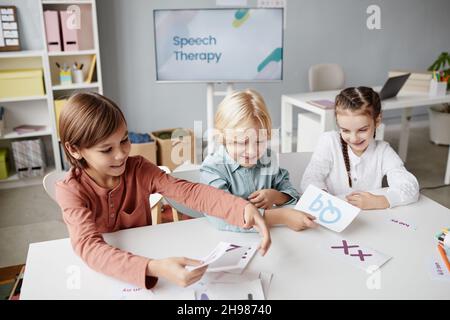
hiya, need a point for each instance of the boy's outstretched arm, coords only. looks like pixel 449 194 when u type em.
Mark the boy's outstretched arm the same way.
pixel 254 219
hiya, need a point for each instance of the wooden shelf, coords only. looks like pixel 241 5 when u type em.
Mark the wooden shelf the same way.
pixel 14 181
pixel 20 99
pixel 14 135
pixel 71 53
pixel 75 86
pixel 67 2
pixel 21 54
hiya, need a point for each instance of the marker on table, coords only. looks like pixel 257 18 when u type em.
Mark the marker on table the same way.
pixel 444 256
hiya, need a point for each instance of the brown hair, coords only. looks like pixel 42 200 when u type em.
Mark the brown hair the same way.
pixel 87 119
pixel 363 100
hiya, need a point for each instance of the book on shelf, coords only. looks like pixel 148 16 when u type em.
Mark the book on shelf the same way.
pixel 27 128
pixel 90 73
pixel 59 104
pixel 324 104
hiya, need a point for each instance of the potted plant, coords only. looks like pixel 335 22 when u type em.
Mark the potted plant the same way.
pixel 440 114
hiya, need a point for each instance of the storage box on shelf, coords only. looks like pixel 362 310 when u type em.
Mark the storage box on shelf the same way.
pixel 28 101
pixel 4 163
pixel 29 158
pixel 21 83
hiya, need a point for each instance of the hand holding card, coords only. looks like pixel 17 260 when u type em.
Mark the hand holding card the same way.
pixel 330 211
pixel 227 257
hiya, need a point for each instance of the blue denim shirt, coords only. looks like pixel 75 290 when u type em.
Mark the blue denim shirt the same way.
pixel 221 171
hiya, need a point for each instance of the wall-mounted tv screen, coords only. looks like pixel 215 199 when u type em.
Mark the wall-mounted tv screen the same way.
pixel 219 45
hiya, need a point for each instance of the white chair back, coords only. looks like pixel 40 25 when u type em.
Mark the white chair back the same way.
pixel 326 76
pixel 50 180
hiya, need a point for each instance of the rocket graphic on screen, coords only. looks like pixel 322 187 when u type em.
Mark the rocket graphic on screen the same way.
pixel 240 16
pixel 275 56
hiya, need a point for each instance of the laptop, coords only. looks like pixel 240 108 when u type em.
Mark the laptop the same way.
pixel 393 86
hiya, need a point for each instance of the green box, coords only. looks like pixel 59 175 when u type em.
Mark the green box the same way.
pixel 4 163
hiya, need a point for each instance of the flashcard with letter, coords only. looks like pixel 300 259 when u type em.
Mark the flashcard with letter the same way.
pixel 330 211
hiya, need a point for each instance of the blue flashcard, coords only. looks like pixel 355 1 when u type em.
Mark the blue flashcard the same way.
pixel 330 211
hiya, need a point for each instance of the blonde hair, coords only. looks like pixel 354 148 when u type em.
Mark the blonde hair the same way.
pixel 87 119
pixel 241 108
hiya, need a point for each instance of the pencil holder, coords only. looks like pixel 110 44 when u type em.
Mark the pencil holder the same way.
pixel 77 76
pixel 65 77
pixel 438 88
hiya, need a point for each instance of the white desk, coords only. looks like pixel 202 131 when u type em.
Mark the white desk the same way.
pixel 300 269
pixel 404 100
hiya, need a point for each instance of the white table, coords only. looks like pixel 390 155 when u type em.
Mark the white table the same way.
pixel 301 270
pixel 404 100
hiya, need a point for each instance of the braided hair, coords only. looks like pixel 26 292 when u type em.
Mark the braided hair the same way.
pixel 360 99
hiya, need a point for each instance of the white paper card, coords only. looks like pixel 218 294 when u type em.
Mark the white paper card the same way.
pixel 246 290
pixel 10 25
pixel 226 277
pixel 165 291
pixel 266 280
pixel 201 287
pixel 136 293
pixel 355 254
pixel 437 269
pixel 11 34
pixel 228 257
pixel 402 223
pixel 8 17
pixel 330 211
pixel 12 42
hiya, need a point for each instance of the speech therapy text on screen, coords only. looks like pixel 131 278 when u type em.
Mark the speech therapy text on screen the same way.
pixel 208 57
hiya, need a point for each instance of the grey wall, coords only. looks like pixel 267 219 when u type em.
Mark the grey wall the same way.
pixel 413 33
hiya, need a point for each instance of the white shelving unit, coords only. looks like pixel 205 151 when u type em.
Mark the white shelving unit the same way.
pixel 19 99
pixel 75 86
pixel 40 110
pixel 14 135
pixel 71 53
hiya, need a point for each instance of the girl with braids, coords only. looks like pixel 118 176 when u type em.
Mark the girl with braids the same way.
pixel 351 163
pixel 106 190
